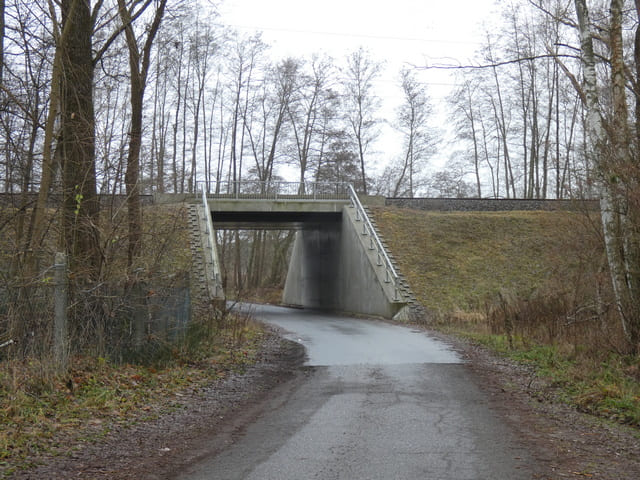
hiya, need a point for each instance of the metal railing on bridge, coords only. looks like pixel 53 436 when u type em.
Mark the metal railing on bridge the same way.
pixel 375 244
pixel 276 190
pixel 214 267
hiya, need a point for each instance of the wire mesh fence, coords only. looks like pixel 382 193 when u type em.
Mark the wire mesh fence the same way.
pixel 122 321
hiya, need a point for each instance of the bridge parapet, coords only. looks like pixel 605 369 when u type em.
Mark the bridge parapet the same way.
pixel 276 190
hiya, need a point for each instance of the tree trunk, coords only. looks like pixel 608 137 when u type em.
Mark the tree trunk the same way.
pixel 81 206
pixel 139 68
pixel 620 244
pixel 2 7
pixel 636 58
pixel 37 223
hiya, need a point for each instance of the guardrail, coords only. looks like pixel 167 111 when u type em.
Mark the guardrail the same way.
pixel 391 276
pixel 276 190
pixel 211 246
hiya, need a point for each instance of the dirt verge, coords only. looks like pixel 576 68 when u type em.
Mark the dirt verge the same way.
pixel 184 427
pixel 566 443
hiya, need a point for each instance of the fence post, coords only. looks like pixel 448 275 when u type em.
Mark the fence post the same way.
pixel 60 330
pixel 138 297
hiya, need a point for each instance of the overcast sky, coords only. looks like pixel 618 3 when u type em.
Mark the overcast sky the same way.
pixel 397 32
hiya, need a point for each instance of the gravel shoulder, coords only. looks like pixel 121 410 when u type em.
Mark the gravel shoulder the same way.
pixel 195 424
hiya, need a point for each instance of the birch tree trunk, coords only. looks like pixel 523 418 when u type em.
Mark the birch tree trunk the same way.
pixel 611 157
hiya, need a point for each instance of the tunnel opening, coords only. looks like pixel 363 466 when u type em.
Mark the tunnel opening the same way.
pixel 255 249
pixel 324 256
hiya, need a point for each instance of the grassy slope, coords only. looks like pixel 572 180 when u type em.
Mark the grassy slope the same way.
pixel 460 261
pixel 456 261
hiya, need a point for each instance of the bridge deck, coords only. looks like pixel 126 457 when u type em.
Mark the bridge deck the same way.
pixel 217 204
pixel 292 213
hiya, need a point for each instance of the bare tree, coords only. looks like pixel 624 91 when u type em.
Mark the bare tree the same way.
pixel 244 59
pixel 617 174
pixel 139 61
pixel 308 114
pixel 466 114
pixel 77 139
pixel 361 104
pixel 203 46
pixel 413 122
pixel 2 28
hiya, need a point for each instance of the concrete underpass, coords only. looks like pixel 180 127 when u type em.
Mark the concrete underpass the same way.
pixel 337 262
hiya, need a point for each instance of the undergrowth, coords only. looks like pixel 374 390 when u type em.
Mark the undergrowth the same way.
pixel 606 385
pixel 135 350
pixel 45 414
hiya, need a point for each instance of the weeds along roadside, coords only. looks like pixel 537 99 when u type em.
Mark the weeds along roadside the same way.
pixel 532 286
pixel 134 342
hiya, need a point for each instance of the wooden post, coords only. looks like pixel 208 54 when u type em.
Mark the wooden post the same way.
pixel 60 331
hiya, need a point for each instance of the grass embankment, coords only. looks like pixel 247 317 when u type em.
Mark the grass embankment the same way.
pixel 531 286
pixel 44 413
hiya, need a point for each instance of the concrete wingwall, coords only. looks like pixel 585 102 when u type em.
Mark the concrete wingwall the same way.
pixel 334 269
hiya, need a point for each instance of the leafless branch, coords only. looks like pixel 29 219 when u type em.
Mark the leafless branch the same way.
pixel 117 33
pixel 562 20
pixel 495 64
pixel 572 78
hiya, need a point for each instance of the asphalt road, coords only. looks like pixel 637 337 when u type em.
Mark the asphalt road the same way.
pixel 376 401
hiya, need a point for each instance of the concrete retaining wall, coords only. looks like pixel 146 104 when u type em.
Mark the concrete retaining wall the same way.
pixel 491 204
pixel 333 269
pixel 364 289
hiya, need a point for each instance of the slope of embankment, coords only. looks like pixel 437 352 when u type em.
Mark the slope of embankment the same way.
pixel 531 285
pixel 458 261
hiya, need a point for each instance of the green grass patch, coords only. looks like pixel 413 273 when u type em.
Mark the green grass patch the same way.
pixel 608 388
pixel 456 260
